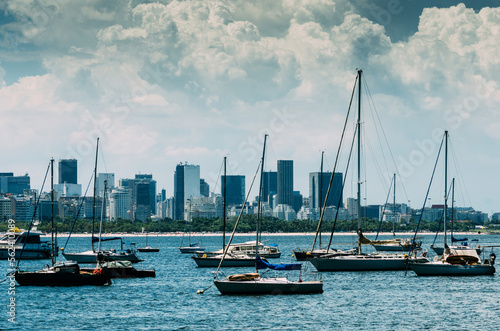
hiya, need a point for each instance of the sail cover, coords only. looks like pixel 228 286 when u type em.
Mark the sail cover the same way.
pixel 453 239
pixel 262 264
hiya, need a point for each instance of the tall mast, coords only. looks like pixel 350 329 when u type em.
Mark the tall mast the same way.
pixel 445 184
pixel 95 189
pixel 394 209
pixel 224 211
pixel 103 214
pixel 259 208
pixel 54 247
pixel 452 204
pixel 321 192
pixel 359 149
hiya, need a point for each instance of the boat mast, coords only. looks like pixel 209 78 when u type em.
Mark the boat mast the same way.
pixel 95 188
pixel 359 152
pixel 259 208
pixel 53 248
pixel 445 185
pixel 394 210
pixel 452 205
pixel 321 192
pixel 224 211
pixel 103 214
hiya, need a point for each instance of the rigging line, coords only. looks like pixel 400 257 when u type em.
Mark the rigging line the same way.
pixel 335 165
pixel 218 176
pixel 78 212
pixel 34 214
pixel 341 190
pixel 377 166
pixel 373 111
pixel 413 241
pixel 463 188
pixel 387 143
pixel 383 210
pixel 237 221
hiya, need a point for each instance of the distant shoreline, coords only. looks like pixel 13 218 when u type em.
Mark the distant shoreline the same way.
pixel 197 234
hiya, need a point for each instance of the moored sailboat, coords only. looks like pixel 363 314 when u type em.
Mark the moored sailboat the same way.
pixel 362 261
pixel 254 283
pixel 66 273
pixel 455 260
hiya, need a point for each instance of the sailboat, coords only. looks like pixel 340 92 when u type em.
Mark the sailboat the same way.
pixel 147 248
pixel 254 283
pixel 440 250
pixel 66 273
pixel 455 261
pixel 232 259
pixel 93 256
pixel 394 244
pixel 362 261
pixel 191 247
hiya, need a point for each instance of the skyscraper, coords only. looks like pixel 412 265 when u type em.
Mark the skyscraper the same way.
pixel 68 171
pixel 186 186
pixel 269 185
pixel 317 197
pixel 285 182
pixel 235 189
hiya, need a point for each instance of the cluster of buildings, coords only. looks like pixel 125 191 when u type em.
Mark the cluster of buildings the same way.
pixel 137 198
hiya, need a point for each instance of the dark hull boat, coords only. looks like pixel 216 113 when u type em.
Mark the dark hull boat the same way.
pixel 148 249
pixel 124 269
pixel 63 274
pixel 275 286
pixel 229 261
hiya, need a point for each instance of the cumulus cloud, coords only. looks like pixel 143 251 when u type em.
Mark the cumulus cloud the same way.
pixel 193 78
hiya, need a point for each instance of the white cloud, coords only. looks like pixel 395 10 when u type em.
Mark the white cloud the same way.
pixel 192 79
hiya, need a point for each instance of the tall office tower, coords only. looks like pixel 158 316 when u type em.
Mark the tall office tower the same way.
pixel 119 204
pixel 186 186
pixel 235 189
pixel 68 171
pixel 316 185
pixel 298 201
pixel 147 194
pixel 285 183
pixel 13 184
pixel 204 188
pixel 110 178
pixel 269 185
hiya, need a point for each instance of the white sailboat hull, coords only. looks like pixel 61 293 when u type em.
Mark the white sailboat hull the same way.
pixel 447 269
pixel 276 286
pixel 363 262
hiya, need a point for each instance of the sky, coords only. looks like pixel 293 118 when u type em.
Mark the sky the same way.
pixel 193 81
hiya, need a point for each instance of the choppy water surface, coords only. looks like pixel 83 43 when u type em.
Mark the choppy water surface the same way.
pixel 361 301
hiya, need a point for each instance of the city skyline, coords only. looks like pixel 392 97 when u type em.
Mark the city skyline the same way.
pixel 163 83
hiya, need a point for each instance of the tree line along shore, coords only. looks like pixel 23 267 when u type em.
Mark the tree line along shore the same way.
pixel 246 225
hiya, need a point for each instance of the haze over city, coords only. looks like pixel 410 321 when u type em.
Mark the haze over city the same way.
pixel 169 82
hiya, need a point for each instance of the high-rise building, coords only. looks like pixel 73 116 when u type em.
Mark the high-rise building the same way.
pixel 285 183
pixel 235 189
pixel 316 185
pixel 110 178
pixel 120 204
pixel 204 188
pixel 142 194
pixel 186 186
pixel 269 185
pixel 68 171
pixel 298 201
pixel 13 184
